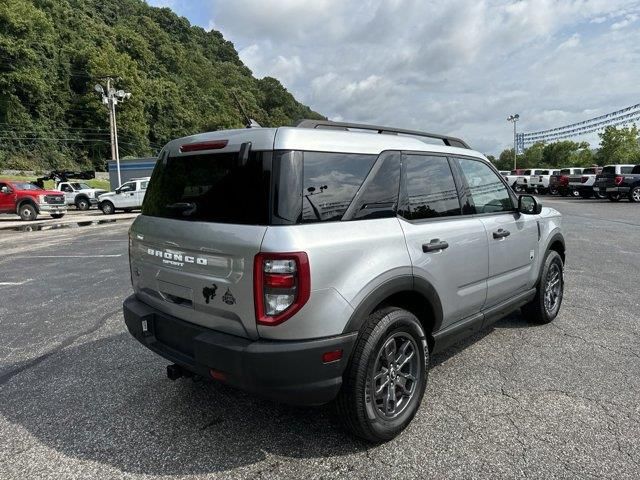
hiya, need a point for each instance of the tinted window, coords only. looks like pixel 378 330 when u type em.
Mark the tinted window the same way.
pixel 429 188
pixel 379 195
pixel 636 169
pixel 211 187
pixel 611 169
pixel 485 191
pixel 543 172
pixel 626 169
pixel 565 171
pixel 330 181
pixel 589 171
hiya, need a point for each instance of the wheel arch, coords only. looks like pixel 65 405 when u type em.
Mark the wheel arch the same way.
pixel 415 295
pixel 29 201
pixel 557 243
pixel 81 196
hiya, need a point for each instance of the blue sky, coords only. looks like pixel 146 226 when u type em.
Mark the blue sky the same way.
pixel 458 67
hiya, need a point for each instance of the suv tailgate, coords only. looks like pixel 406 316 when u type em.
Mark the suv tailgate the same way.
pixel 199 272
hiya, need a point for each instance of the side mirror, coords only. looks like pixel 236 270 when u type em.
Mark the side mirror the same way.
pixel 528 205
pixel 117 191
pixel 5 190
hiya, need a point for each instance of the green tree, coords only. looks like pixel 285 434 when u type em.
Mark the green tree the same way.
pixel 505 160
pixel 560 154
pixel 619 145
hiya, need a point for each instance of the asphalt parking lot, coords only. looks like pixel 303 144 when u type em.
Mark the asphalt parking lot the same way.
pixel 80 398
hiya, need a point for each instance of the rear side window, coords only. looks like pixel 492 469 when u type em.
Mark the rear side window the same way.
pixel 626 169
pixel 330 181
pixel 379 195
pixel 485 191
pixel 609 169
pixel 430 190
pixel 212 188
pixel 589 171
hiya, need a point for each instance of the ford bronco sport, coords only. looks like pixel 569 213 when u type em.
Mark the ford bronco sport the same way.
pixel 323 262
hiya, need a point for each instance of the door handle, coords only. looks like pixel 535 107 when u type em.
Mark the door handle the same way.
pixel 434 245
pixel 501 234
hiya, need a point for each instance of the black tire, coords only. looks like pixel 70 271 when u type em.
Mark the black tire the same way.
pixel 27 212
pixel 107 208
pixel 597 194
pixel 83 203
pixel 357 406
pixel 538 310
pixel 613 197
pixel 57 215
pixel 634 195
pixel 128 210
pixel 553 191
pixel 575 193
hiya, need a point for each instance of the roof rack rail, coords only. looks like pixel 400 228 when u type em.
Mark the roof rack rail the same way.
pixel 447 140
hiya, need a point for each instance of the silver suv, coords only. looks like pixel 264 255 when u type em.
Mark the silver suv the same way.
pixel 328 261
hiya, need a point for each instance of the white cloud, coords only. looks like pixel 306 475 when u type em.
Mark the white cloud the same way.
pixel 457 67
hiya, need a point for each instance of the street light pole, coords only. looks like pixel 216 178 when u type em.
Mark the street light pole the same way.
pixel 111 97
pixel 514 119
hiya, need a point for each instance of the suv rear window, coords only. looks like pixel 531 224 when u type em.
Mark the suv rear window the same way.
pixel 609 169
pixel 589 171
pixel 210 188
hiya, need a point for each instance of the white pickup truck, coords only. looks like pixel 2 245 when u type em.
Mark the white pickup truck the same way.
pixel 512 179
pixel 540 182
pixel 79 194
pixel 127 197
pixel 582 183
pixel 523 183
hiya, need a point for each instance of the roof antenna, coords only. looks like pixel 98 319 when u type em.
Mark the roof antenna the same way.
pixel 251 123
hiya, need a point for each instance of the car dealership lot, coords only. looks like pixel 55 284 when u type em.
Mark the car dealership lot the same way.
pixel 79 397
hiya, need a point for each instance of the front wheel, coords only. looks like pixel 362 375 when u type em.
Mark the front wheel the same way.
pixel 597 194
pixel 107 208
pixel 553 191
pixel 28 212
pixel 634 195
pixel 575 193
pixel 83 204
pixel 385 380
pixel 550 290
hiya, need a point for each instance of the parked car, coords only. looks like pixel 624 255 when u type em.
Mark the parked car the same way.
pixel 582 184
pixel 316 263
pixel 523 183
pixel 512 179
pixel 562 185
pixel 80 194
pixel 617 181
pixel 127 197
pixel 540 183
pixel 28 200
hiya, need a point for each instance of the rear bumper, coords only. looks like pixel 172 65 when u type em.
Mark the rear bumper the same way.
pixel 286 371
pixel 617 189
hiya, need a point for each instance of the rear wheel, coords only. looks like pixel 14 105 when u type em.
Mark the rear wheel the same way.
pixel 107 207
pixel 386 377
pixel 575 193
pixel 634 195
pixel 553 191
pixel 27 212
pixel 614 197
pixel 546 304
pixel 83 203
pixel 597 194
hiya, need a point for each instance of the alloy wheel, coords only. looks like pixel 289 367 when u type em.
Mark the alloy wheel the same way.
pixel 553 289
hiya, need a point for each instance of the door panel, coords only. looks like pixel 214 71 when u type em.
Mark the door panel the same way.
pixel 511 258
pixel 458 272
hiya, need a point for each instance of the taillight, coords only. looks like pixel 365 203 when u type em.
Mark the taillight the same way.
pixel 619 179
pixel 281 285
pixel 564 180
pixel 584 179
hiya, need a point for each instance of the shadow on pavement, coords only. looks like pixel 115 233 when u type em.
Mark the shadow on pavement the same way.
pixel 109 401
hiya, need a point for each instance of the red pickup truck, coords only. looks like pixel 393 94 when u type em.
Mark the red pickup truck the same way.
pixel 27 200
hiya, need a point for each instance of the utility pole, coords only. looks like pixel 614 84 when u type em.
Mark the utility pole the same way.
pixel 110 98
pixel 514 119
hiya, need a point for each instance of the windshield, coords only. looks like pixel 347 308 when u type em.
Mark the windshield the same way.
pixel 80 186
pixel 25 186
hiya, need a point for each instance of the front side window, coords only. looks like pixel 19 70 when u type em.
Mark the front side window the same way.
pixel 127 187
pixel 430 190
pixel 330 181
pixel 143 185
pixel 484 190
